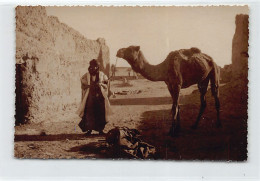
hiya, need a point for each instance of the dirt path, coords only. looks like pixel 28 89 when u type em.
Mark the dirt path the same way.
pixel 145 106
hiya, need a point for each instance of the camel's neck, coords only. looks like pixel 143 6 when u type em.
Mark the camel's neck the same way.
pixel 150 72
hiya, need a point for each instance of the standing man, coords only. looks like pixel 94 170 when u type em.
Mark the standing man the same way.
pixel 95 106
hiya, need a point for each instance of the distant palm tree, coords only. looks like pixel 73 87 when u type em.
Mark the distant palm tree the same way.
pixel 113 70
pixel 129 71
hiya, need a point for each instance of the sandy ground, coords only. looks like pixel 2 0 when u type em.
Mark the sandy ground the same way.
pixel 146 107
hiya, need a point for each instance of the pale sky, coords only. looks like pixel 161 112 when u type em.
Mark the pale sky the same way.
pixel 158 30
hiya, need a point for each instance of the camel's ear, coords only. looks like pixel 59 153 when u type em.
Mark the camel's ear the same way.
pixel 137 48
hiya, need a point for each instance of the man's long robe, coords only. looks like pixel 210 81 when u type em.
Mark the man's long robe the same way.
pixel 85 86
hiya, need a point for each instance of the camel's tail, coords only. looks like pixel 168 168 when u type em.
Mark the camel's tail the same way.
pixel 214 79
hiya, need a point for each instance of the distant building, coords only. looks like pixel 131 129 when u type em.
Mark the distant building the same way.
pixel 126 72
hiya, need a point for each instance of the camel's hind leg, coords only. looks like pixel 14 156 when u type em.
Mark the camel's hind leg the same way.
pixel 174 91
pixel 214 81
pixel 203 90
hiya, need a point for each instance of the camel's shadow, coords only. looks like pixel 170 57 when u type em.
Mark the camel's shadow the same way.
pixel 101 150
pixel 205 143
pixel 202 144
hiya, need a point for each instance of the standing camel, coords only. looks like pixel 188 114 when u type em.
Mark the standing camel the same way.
pixel 180 69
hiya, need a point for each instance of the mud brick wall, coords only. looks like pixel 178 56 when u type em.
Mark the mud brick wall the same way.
pixel 238 69
pixel 50 59
pixel 226 73
pixel 240 48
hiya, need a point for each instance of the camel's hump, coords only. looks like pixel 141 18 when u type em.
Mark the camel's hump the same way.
pixel 195 50
pixel 190 52
pixel 185 53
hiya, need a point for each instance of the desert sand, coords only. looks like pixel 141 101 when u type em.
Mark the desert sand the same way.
pixel 145 106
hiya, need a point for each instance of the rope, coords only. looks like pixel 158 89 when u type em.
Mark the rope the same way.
pixel 114 68
pixel 111 77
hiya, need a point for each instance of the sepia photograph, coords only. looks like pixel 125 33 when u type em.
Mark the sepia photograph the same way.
pixel 132 82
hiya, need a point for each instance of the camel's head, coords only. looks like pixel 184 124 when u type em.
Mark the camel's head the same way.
pixel 129 54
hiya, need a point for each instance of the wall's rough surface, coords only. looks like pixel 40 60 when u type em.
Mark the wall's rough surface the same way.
pixel 226 73
pixel 236 90
pixel 50 59
pixel 240 48
pixel 238 69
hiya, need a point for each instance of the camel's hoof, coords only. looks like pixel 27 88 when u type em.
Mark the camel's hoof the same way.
pixel 170 133
pixel 194 126
pixel 219 125
pixel 173 135
pixel 174 132
pixel 88 133
pixel 101 133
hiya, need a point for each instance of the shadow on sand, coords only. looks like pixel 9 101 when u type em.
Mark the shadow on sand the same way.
pixel 100 150
pixel 57 137
pixel 142 101
pixel 205 143
pixel 97 148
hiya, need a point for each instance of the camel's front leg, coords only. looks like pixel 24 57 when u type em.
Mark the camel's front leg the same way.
pixel 175 128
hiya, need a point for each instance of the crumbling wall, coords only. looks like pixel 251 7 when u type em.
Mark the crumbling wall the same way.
pixel 226 73
pixel 50 59
pixel 236 90
pixel 240 48
pixel 238 69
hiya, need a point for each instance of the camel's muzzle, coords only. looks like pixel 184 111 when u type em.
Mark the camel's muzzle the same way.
pixel 120 53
